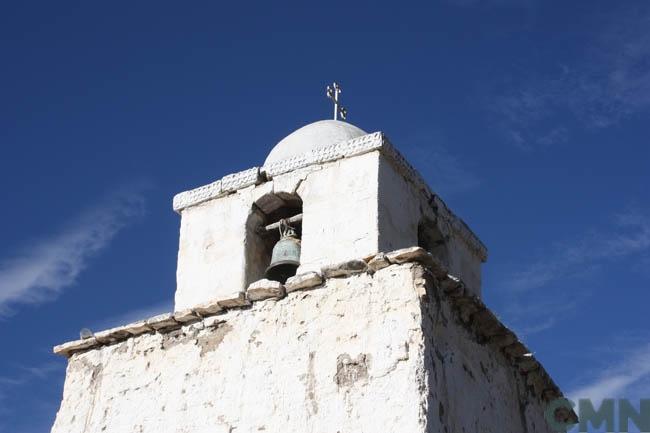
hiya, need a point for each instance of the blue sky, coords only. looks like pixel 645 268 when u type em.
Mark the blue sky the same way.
pixel 529 117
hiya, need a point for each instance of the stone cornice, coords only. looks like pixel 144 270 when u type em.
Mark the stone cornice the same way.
pixel 346 149
pixel 431 280
pixel 224 186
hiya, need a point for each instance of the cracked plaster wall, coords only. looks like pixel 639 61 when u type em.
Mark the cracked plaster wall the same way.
pixel 353 207
pixel 367 353
pixel 340 223
pixel 471 386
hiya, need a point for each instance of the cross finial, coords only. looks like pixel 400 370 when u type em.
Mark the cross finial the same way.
pixel 333 93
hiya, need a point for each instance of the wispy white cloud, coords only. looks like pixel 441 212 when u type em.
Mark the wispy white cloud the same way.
pixel 630 234
pixel 546 323
pixel 44 268
pixel 134 315
pixel 608 84
pixel 24 376
pixel 531 310
pixel 536 312
pixel 26 373
pixel 622 379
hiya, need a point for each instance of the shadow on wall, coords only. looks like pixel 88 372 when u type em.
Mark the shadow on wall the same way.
pixel 471 385
pixel 431 239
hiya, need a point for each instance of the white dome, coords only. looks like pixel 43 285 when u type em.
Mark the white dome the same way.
pixel 313 136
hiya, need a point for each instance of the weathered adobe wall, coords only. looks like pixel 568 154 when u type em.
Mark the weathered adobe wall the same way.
pixel 403 207
pixel 352 207
pixel 340 223
pixel 471 386
pixel 372 352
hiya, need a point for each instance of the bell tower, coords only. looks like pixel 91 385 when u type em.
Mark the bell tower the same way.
pixel 327 290
pixel 340 192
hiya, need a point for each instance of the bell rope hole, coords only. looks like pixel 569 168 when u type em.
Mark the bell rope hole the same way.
pixel 270 209
pixel 431 239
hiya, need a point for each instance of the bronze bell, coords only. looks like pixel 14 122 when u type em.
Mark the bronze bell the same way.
pixel 285 258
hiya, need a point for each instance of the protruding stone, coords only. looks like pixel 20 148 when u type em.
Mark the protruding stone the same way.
pixel 238 299
pixel 305 281
pixel 68 349
pixel 467 309
pixel 527 363
pixel 344 269
pixel 138 328
pixel 208 308
pixel 423 281
pixel 112 335
pixel 566 415
pixel 487 324
pixel 452 286
pixel 265 289
pixel 516 350
pixel 438 268
pixel 500 341
pixel 550 394
pixel 186 316
pixel 535 380
pixel 378 262
pixel 162 321
pixel 411 254
pixel 420 255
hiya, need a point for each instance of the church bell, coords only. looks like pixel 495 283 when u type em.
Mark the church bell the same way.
pixel 285 258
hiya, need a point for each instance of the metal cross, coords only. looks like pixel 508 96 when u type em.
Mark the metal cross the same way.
pixel 333 93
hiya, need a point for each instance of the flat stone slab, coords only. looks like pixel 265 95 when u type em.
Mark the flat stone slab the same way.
pixel 418 254
pixel 138 328
pixel 500 341
pixel 265 289
pixel 380 261
pixel 308 280
pixel 67 349
pixel 527 363
pixel 237 300
pixel 344 269
pixel 516 350
pixel 187 316
pixel 162 321
pixel 452 285
pixel 208 308
pixel 404 255
pixel 112 335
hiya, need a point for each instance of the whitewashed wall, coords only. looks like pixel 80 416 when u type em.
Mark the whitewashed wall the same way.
pixel 211 250
pixel 401 209
pixel 367 353
pixel 352 207
pixel 340 211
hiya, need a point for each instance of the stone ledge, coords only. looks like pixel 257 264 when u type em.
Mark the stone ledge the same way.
pixel 265 289
pixel 225 185
pixel 344 269
pixel 308 280
pixel 471 313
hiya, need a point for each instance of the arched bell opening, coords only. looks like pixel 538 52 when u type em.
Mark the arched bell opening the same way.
pixel 431 239
pixel 273 233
